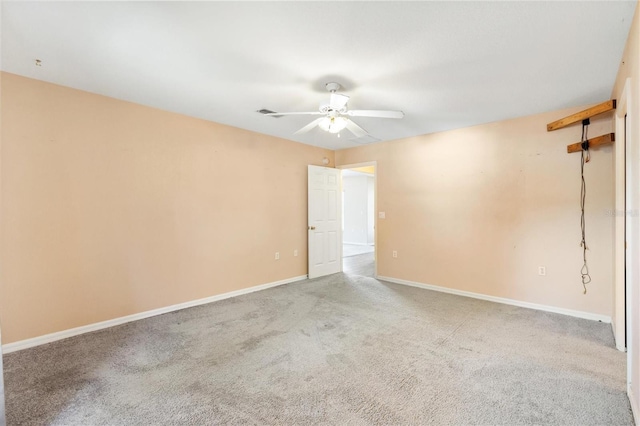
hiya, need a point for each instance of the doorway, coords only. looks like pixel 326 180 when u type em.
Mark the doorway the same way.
pixel 358 219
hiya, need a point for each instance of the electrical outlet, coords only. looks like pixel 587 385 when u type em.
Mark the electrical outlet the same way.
pixel 381 215
pixel 277 255
pixel 542 270
pixel 295 253
pixel 394 254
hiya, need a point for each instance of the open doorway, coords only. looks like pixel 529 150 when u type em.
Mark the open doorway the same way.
pixel 358 219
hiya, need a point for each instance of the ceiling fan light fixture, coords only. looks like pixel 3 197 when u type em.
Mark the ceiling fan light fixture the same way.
pixel 333 124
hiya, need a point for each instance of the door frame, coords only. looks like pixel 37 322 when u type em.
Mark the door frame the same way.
pixel 621 222
pixel 629 165
pixel 375 205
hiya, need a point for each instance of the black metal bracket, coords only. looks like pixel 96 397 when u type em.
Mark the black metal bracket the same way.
pixel 585 144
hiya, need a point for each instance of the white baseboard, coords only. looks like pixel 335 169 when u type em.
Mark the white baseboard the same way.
pixel 633 399
pixel 570 312
pixel 48 338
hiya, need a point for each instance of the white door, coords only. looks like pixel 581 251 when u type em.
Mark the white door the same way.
pixel 325 225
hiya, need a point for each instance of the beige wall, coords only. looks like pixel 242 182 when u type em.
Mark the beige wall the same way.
pixel 629 73
pixel 102 220
pixel 479 209
pixel 111 208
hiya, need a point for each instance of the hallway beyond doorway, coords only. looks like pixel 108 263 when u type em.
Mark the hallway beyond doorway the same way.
pixel 349 250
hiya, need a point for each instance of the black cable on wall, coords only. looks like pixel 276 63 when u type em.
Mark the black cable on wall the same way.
pixel 584 158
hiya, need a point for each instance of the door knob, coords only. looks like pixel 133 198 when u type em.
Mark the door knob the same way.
pixel 311 228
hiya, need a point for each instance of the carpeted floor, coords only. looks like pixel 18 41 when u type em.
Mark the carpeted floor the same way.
pixel 343 349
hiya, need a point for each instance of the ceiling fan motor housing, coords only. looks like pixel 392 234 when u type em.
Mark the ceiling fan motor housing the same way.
pixel 326 108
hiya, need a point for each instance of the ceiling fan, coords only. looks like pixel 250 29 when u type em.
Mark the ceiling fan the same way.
pixel 336 116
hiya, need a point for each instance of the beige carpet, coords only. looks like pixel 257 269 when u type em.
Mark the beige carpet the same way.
pixel 344 349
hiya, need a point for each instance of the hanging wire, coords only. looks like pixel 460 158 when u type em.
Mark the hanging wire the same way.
pixel 585 157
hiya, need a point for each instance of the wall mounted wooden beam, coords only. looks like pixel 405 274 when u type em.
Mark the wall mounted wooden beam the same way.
pixel 597 141
pixel 579 116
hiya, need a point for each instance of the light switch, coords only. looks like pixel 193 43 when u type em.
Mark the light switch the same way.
pixel 380 215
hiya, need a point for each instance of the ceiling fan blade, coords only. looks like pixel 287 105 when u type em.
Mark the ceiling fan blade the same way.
pixel 338 101
pixel 309 126
pixel 355 129
pixel 375 113
pixel 296 113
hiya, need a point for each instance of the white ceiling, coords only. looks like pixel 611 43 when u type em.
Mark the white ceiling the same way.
pixel 445 64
